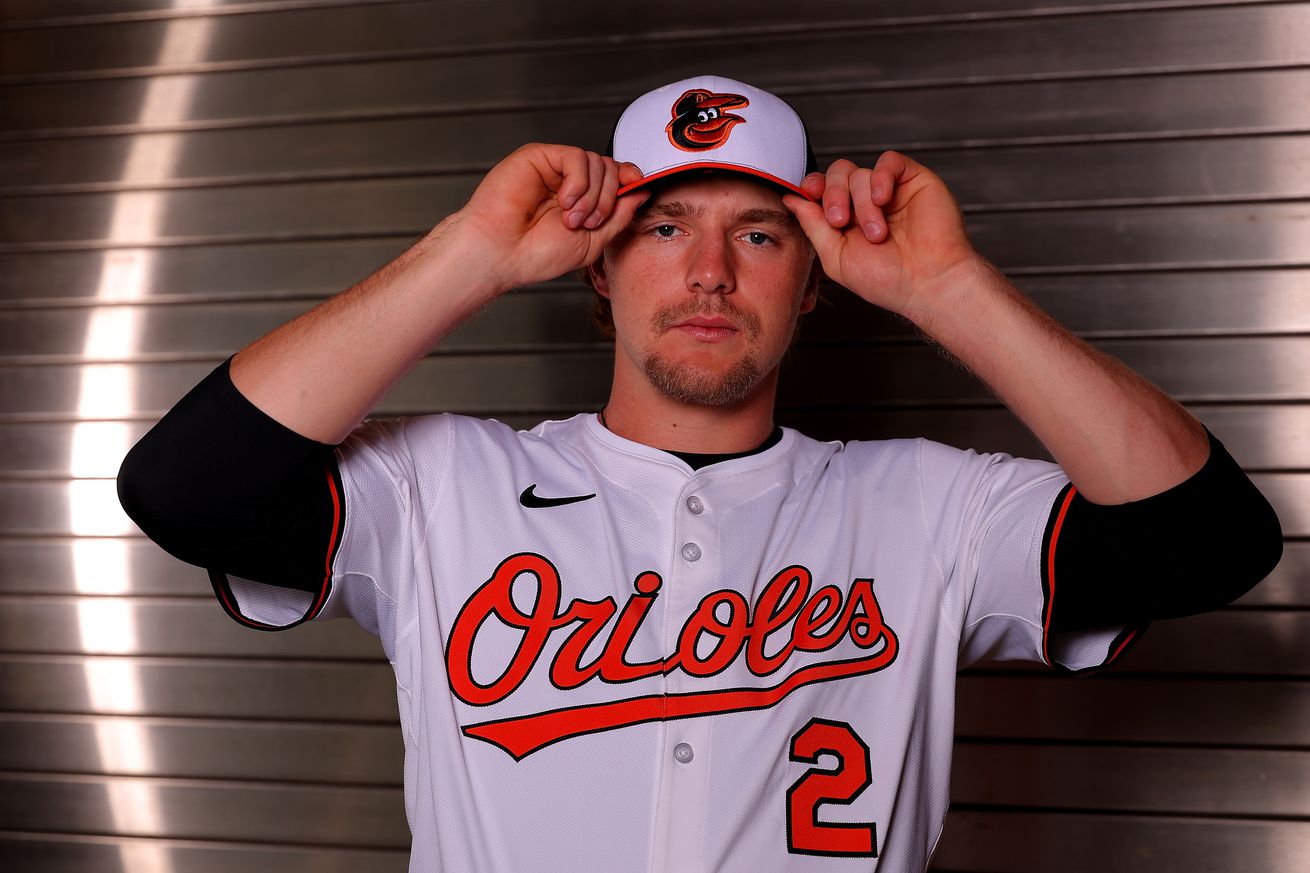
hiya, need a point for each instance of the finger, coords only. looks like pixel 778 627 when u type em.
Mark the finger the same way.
pixel 813 184
pixel 621 216
pixel 836 193
pixel 591 195
pixel 890 170
pixel 629 173
pixel 609 186
pixel 814 224
pixel 572 166
pixel 867 214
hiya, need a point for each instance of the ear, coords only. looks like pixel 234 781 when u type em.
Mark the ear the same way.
pixel 596 273
pixel 810 297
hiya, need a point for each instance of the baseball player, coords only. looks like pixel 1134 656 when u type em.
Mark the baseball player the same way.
pixel 671 635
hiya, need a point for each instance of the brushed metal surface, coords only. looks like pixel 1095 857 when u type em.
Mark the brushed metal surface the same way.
pixel 1141 168
pixel 208 749
pixel 552 318
pixel 1214 370
pixel 1020 841
pixel 255 270
pixel 75 565
pixel 943 57
pixel 1245 782
pixel 64 853
pixel 1113 707
pixel 165 627
pixel 1168 171
pixel 258 812
pixel 207 687
pixel 327 34
pixel 62 13
pixel 1069 240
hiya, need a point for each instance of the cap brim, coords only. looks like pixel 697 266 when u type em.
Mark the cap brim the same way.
pixel 711 165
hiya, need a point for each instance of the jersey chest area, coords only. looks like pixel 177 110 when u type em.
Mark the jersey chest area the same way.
pixel 589 606
pixel 690 664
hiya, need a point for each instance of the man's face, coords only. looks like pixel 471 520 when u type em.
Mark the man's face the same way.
pixel 706 286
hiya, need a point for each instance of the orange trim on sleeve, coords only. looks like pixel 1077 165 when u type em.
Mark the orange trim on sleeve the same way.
pixel 1050 573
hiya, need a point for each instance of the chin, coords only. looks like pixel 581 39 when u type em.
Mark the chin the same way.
pixel 700 386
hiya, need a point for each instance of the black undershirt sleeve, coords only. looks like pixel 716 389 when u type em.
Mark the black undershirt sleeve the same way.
pixel 1190 549
pixel 220 484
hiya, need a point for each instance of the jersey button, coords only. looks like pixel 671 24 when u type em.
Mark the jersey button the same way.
pixel 683 753
pixel 694 506
pixel 691 552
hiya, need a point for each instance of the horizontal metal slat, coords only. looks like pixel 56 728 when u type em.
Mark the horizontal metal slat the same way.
pixel 1046 48
pixel 1204 369
pixel 264 270
pixel 21 14
pixel 60 853
pixel 1114 706
pixel 560 316
pixel 329 34
pixel 159 627
pixel 1068 240
pixel 1026 842
pixel 1175 170
pixel 77 565
pixel 203 688
pixel 1217 782
pixel 231 749
pixel 267 812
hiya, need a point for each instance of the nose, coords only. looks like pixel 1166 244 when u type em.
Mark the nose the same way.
pixel 709 267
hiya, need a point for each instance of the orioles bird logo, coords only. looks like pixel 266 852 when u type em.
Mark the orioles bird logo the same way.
pixel 701 120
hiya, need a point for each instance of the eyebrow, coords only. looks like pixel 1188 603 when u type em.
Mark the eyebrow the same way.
pixel 682 209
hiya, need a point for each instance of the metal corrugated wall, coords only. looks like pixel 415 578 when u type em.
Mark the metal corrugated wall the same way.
pixel 178 177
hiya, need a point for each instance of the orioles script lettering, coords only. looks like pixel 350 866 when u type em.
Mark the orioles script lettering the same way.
pixel 787 616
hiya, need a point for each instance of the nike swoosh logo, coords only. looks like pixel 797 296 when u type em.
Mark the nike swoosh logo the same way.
pixel 532 501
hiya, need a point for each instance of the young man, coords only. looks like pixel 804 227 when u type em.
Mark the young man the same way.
pixel 673 636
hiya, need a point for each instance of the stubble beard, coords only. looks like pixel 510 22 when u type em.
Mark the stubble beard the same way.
pixel 694 386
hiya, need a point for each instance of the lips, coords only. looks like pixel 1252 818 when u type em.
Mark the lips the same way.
pixel 708 328
pixel 707 321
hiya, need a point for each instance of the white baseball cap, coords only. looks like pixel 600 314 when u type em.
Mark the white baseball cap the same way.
pixel 713 123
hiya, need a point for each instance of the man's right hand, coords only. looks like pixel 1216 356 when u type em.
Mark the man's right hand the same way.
pixel 543 211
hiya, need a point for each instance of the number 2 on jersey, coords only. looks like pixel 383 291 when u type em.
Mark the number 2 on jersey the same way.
pixel 806 835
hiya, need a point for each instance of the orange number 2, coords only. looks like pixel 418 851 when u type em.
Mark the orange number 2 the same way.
pixel 806 835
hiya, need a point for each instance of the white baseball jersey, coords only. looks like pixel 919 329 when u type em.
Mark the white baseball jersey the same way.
pixel 607 661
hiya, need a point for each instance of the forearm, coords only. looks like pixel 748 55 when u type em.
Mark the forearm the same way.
pixel 1117 436
pixel 321 373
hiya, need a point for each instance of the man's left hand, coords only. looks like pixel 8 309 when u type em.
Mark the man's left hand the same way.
pixel 888 233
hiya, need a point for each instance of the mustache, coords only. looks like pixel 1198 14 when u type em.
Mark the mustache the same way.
pixel 670 316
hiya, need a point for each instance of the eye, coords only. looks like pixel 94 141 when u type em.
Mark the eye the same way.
pixel 713 113
pixel 758 238
pixel 665 231
pixel 702 116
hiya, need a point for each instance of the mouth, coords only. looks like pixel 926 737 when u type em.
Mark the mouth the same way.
pixel 710 328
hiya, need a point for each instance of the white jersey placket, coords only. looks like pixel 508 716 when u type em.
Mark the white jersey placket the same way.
pixel 694 571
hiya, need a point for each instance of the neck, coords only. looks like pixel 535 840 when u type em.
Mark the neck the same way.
pixel 638 412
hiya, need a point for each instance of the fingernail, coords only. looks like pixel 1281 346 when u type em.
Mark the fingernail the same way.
pixel 878 191
pixel 595 220
pixel 834 215
pixel 574 219
pixel 570 200
pixel 873 230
